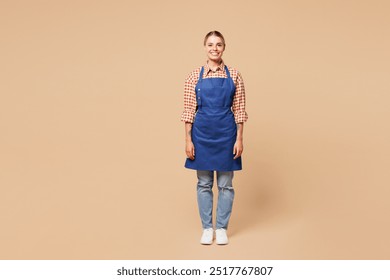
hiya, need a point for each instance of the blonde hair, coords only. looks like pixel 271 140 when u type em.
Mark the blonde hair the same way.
pixel 214 33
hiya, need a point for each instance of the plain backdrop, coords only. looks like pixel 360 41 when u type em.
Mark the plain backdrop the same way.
pixel 92 147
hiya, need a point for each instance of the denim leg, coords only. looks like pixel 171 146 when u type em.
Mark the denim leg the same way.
pixel 205 197
pixel 225 198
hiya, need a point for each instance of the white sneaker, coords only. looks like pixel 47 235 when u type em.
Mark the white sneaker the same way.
pixel 221 236
pixel 207 236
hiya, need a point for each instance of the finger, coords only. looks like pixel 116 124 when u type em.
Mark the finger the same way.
pixel 238 154
pixel 191 153
pixel 188 153
pixel 242 150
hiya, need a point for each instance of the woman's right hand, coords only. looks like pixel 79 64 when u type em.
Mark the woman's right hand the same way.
pixel 190 150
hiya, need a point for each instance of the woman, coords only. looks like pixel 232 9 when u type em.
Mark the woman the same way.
pixel 214 116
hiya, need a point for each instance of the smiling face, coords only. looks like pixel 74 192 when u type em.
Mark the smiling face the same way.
pixel 214 48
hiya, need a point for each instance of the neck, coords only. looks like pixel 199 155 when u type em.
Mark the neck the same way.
pixel 214 64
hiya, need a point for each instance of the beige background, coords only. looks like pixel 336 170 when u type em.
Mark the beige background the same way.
pixel 92 147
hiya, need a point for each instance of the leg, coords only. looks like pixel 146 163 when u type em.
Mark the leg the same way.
pixel 225 198
pixel 205 197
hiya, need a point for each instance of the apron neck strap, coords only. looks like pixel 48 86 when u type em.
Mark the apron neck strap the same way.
pixel 227 71
pixel 201 74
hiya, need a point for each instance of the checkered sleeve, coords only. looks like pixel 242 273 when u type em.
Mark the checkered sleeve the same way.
pixel 189 98
pixel 238 107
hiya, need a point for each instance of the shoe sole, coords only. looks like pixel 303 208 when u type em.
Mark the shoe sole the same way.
pixel 207 243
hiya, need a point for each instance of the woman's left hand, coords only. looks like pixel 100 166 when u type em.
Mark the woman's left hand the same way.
pixel 238 149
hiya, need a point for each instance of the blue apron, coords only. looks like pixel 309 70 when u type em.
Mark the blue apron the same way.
pixel 214 130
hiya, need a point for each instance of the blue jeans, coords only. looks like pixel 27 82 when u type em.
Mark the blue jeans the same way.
pixel 205 197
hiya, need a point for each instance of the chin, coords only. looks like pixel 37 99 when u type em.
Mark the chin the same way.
pixel 215 58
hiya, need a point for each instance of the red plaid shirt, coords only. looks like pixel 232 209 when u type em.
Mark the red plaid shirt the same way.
pixel 238 106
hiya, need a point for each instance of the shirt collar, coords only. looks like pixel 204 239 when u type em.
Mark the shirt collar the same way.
pixel 220 67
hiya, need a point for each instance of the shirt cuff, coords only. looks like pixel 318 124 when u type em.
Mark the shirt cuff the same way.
pixel 187 116
pixel 240 116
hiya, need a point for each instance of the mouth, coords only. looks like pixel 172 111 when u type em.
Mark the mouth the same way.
pixel 214 53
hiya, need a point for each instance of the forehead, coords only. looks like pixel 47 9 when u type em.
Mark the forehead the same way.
pixel 214 39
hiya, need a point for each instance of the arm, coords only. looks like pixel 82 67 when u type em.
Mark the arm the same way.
pixel 190 149
pixel 189 112
pixel 240 115
pixel 239 146
pixel 189 98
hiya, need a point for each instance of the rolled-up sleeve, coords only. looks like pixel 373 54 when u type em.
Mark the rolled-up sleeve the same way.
pixel 238 106
pixel 189 99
